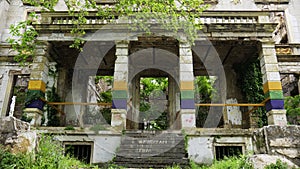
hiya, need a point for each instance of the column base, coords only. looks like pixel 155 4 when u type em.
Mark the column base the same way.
pixel 36 116
pixel 277 117
pixel 188 118
pixel 118 119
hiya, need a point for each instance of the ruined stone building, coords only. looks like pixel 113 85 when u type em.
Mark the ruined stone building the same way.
pixel 62 79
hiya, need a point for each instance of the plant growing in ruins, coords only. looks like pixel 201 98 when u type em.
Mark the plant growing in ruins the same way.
pixel 250 83
pixel 292 106
pixel 23 40
pixel 142 15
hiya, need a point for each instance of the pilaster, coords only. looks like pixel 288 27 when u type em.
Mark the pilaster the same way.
pixel 37 84
pixel 120 87
pixel 272 85
pixel 186 77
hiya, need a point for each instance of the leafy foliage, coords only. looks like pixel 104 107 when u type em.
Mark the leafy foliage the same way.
pixel 292 106
pixel 23 40
pixel 152 111
pixel 250 83
pixel 278 165
pixel 49 154
pixel 171 15
pixel 204 92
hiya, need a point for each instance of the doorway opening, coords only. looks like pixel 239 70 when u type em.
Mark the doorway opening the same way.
pixel 153 103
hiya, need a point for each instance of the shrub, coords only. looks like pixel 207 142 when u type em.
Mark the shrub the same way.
pixel 49 155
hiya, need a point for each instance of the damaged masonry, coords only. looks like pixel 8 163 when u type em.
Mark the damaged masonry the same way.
pixel 94 102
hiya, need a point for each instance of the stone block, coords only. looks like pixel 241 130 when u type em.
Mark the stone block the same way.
pixel 272 59
pixel 186 59
pixel 40 67
pixel 188 118
pixel 118 119
pixel 187 76
pixel 38 75
pixel 120 85
pixel 275 95
pixel 119 103
pixel 41 59
pixel 186 85
pixel 122 60
pixel 121 67
pixel 187 104
pixel 263 19
pixel 186 67
pixel 274 104
pixel 277 117
pixel 269 68
pixel 272 86
pixel 185 51
pixel 37 85
pixel 35 114
pixel 122 51
pixel 119 94
pixel 271 76
pixel 187 94
pixel 120 75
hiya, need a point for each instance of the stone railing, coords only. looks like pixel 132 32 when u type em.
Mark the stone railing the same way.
pixel 221 20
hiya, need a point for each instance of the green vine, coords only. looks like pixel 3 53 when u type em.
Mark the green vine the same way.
pixel 175 16
pixel 250 83
pixel 292 106
pixel 24 40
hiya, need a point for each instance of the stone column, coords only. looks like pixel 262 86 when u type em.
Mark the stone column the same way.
pixel 37 85
pixel 272 85
pixel 120 87
pixel 186 77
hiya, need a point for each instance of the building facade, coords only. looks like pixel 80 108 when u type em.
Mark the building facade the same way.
pixel 234 32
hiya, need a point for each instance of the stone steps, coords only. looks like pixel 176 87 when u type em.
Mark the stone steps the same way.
pixel 150 149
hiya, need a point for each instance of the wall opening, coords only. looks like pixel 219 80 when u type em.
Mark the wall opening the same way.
pixel 82 152
pixel 227 151
pixel 18 92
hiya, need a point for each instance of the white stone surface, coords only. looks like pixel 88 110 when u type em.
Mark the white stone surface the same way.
pixel 200 149
pixel 188 119
pixel 105 148
pixel 240 5
pixel 277 117
pixel 234 114
pixel 292 17
pixel 271 76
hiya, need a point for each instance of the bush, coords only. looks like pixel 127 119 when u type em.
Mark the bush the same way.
pixel 49 155
pixel 278 165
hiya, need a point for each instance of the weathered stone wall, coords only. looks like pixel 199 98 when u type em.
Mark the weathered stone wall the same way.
pixel 7 71
pixel 279 140
pixel 16 135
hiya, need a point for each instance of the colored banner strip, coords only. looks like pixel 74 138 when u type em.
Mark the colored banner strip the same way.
pixel 274 104
pixel 37 85
pixel 187 85
pixel 268 86
pixel 187 104
pixel 187 94
pixel 275 95
pixel 119 94
pixel 119 104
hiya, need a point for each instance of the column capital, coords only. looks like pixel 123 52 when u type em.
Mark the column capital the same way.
pixel 122 43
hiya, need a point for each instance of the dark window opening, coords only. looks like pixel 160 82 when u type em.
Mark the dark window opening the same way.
pixel 228 151
pixel 18 91
pixel 81 152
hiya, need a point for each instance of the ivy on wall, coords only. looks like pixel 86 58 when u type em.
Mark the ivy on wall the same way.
pixel 171 15
pixel 250 82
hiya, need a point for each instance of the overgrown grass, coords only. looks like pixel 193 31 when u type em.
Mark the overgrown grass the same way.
pixel 49 155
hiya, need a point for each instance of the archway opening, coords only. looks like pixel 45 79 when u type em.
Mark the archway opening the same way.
pixel 153 101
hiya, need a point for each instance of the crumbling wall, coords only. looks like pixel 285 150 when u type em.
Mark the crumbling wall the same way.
pixel 16 135
pixel 279 140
